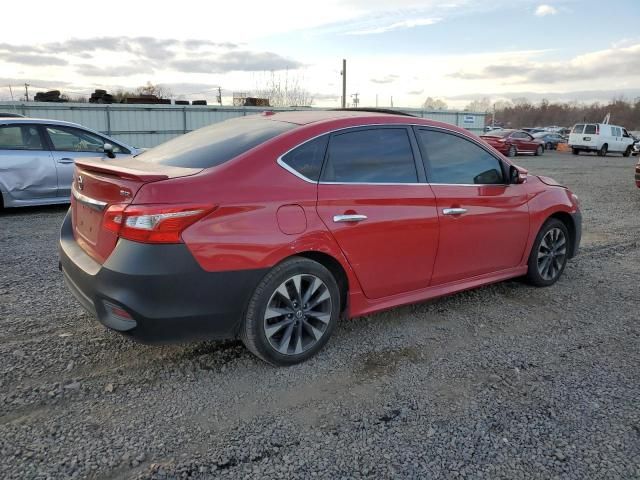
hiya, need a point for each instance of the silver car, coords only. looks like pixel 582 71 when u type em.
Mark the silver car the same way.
pixel 37 158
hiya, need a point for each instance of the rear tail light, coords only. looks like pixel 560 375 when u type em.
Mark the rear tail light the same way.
pixel 597 129
pixel 153 223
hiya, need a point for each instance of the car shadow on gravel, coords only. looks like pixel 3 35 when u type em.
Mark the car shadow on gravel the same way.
pixel 24 211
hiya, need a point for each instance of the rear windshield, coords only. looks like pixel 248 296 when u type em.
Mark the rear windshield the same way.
pixel 590 129
pixel 578 128
pixel 215 144
pixel 499 133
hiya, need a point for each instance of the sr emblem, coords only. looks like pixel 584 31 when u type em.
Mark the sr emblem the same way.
pixel 80 182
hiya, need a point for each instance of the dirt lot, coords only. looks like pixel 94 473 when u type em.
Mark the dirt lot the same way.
pixel 506 381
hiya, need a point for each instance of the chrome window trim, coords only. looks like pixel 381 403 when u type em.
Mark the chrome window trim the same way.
pixel 291 170
pixel 88 201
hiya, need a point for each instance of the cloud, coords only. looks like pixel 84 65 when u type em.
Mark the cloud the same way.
pixel 114 71
pixel 32 59
pixel 602 64
pixel 405 24
pixel 386 79
pixel 577 95
pixel 544 10
pixel 245 61
pixel 415 92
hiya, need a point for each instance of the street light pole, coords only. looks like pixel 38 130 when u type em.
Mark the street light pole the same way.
pixel 344 83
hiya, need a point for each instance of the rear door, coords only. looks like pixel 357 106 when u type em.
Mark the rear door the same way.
pixel 524 142
pixel 484 222
pixel 373 199
pixel 27 170
pixel 69 144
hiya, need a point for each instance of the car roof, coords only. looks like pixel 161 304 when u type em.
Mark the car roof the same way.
pixel 49 121
pixel 305 117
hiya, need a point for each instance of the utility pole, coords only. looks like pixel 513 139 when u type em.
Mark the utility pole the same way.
pixel 11 92
pixel 344 83
pixel 356 100
pixel 391 101
pixel 376 100
pixel 26 91
pixel 220 96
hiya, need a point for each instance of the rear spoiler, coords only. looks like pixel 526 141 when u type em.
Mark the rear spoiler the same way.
pixel 132 169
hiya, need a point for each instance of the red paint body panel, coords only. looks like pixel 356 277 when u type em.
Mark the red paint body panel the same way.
pixel 489 237
pixel 406 251
pixel 392 251
pixel 502 144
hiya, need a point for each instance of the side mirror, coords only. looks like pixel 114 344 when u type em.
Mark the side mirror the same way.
pixel 108 150
pixel 517 175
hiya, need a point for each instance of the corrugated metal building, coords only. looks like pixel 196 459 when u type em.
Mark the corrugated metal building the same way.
pixel 150 125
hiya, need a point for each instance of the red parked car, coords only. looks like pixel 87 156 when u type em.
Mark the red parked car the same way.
pixel 514 142
pixel 637 176
pixel 270 227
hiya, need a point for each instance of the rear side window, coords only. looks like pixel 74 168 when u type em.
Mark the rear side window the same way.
pixel 215 144
pixel 591 129
pixel 377 155
pixel 71 139
pixel 307 158
pixel 20 137
pixel 578 128
pixel 456 160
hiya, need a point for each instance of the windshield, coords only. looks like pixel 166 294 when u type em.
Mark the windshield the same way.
pixel 215 144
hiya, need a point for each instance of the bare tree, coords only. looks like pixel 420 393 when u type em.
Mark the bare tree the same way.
pixel 479 105
pixel 283 91
pixel 434 104
pixel 158 90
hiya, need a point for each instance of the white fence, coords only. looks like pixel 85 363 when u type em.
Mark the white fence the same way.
pixel 150 125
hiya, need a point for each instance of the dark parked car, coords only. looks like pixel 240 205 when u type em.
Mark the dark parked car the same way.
pixel 513 142
pixel 551 140
pixel 271 227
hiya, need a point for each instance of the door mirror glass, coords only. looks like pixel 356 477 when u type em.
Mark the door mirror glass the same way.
pixel 516 176
pixel 108 150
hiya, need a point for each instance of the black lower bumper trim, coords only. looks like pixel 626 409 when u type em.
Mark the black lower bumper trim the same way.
pixel 577 224
pixel 168 295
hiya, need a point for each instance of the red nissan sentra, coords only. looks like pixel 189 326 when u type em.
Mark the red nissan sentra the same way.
pixel 271 227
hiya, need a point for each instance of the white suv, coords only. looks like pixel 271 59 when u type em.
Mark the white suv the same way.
pixel 601 138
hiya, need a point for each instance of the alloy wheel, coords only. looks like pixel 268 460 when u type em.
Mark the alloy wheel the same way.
pixel 297 314
pixel 552 254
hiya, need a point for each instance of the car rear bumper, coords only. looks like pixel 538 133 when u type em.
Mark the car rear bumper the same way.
pixel 168 296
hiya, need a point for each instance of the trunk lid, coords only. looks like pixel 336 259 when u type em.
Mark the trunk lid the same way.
pixel 97 185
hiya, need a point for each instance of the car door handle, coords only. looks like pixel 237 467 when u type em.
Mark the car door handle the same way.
pixel 65 160
pixel 349 218
pixel 454 211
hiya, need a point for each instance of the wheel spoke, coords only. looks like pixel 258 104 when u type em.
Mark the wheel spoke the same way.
pixel 284 293
pixel 321 298
pixel 311 330
pixel 297 283
pixel 311 289
pixel 273 312
pixel 286 339
pixel 298 339
pixel 322 316
pixel 271 330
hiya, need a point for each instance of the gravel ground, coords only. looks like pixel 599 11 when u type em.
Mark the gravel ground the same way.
pixel 507 381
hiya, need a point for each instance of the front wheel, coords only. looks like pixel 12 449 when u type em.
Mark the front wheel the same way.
pixel 512 151
pixel 575 151
pixel 627 152
pixel 549 254
pixel 292 312
pixel 539 151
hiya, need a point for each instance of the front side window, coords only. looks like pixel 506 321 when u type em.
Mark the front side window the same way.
pixel 70 139
pixel 377 155
pixel 20 137
pixel 307 158
pixel 456 160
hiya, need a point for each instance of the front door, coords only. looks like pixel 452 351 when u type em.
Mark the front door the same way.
pixel 27 171
pixel 69 144
pixel 382 216
pixel 524 142
pixel 484 222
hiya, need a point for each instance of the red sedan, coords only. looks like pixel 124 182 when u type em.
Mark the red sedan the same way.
pixel 272 227
pixel 514 142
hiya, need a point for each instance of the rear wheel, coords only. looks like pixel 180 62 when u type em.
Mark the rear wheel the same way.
pixel 512 152
pixel 627 152
pixel 575 151
pixel 292 312
pixel 549 146
pixel 539 151
pixel 603 150
pixel 549 254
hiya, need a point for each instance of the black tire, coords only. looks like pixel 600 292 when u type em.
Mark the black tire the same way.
pixel 253 331
pixel 575 151
pixel 537 275
pixel 627 152
pixel 512 152
pixel 549 146
pixel 603 150
pixel 539 151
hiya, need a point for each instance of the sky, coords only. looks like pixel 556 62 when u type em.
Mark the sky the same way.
pixel 454 50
